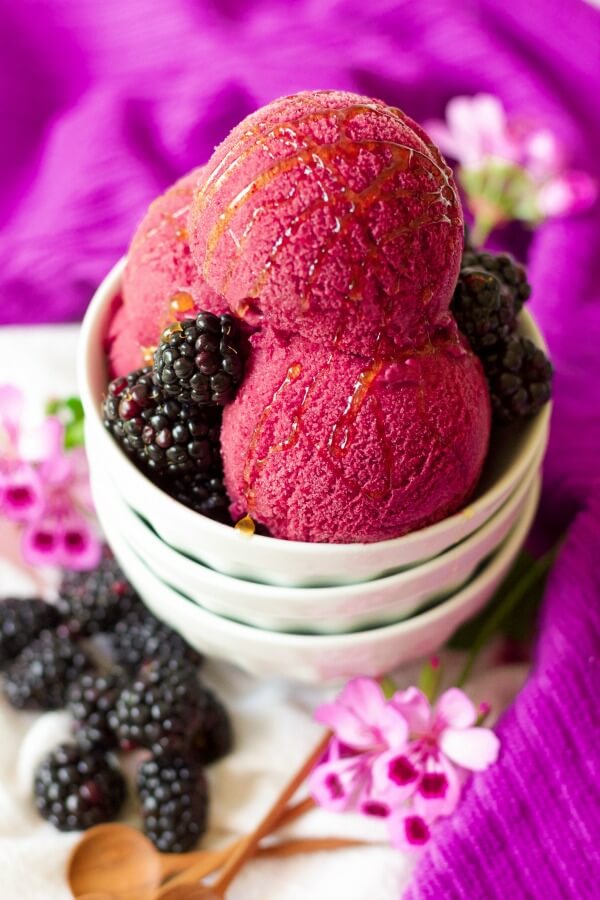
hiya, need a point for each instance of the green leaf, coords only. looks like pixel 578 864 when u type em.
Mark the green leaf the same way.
pixel 509 599
pixel 70 412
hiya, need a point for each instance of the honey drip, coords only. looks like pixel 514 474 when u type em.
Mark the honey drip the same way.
pixel 171 329
pixel 250 463
pixel 182 302
pixel 169 220
pixel 148 355
pixel 341 435
pixel 246 526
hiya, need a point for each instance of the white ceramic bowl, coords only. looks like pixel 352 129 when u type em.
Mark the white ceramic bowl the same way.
pixel 318 610
pixel 324 658
pixel 266 559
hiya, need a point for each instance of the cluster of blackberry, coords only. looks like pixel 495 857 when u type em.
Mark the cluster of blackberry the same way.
pixel 149 696
pixel 489 295
pixel 167 418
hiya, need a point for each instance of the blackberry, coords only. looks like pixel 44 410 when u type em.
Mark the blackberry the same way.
pixel 510 273
pixel 140 638
pixel 160 433
pixel 161 710
pixel 520 378
pixel 484 313
pixel 90 700
pixel 174 802
pixel 215 736
pixel 91 602
pixel 75 789
pixel 21 620
pixel 204 493
pixel 39 678
pixel 199 360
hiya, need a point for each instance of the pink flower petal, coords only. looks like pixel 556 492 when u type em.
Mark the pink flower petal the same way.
pixel 454 709
pixel 345 725
pixel 81 547
pixel 374 808
pixel 472 748
pixel 43 442
pixel 543 155
pixel 41 545
pixel 365 697
pixel 338 784
pixel 11 410
pixel 438 792
pixel 567 194
pixel 22 495
pixel 396 777
pixel 409 831
pixel 441 135
pixel 361 716
pixel 415 707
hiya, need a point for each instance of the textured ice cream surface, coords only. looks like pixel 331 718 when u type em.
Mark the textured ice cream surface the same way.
pixel 332 215
pixel 324 446
pixel 161 281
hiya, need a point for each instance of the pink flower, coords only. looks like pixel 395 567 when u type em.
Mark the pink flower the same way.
pixel 45 489
pixel 429 770
pixel 475 131
pixel 364 725
pixel 508 169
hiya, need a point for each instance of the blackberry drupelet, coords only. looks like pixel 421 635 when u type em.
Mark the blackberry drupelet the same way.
pixel 163 435
pixel 215 735
pixel 161 710
pixel 510 273
pixel 174 802
pixel 90 700
pixel 141 638
pixel 484 314
pixel 199 360
pixel 204 493
pixel 39 678
pixel 91 602
pixel 22 620
pixel 520 378
pixel 75 789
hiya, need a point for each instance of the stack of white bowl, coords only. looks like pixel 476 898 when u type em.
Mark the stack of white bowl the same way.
pixel 314 612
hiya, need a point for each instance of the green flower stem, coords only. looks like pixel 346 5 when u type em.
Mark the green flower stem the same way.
pixel 430 679
pixel 499 615
pixel 388 687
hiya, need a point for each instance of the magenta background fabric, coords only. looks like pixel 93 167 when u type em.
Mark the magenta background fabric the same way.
pixel 105 103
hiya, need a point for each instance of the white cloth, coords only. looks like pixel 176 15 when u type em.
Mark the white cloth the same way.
pixel 272 720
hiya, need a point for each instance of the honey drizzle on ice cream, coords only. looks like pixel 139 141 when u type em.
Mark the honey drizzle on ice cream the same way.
pixel 341 435
pixel 293 374
pixel 315 158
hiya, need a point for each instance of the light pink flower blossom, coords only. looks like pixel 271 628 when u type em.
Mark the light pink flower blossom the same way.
pixel 364 725
pixel 444 745
pixel 45 489
pixel 509 169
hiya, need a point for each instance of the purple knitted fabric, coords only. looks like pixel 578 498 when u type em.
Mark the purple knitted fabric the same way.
pixel 105 103
pixel 530 827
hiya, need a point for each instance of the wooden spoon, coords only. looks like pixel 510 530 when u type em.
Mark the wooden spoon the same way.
pixel 179 887
pixel 117 859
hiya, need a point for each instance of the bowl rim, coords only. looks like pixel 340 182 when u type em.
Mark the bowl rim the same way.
pixel 518 499
pixel 95 320
pixel 508 550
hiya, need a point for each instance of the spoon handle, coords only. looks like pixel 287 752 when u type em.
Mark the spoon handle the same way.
pixel 247 846
pixel 238 852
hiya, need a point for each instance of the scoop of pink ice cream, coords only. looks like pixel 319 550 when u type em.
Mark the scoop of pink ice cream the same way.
pixel 161 281
pixel 332 215
pixel 325 446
